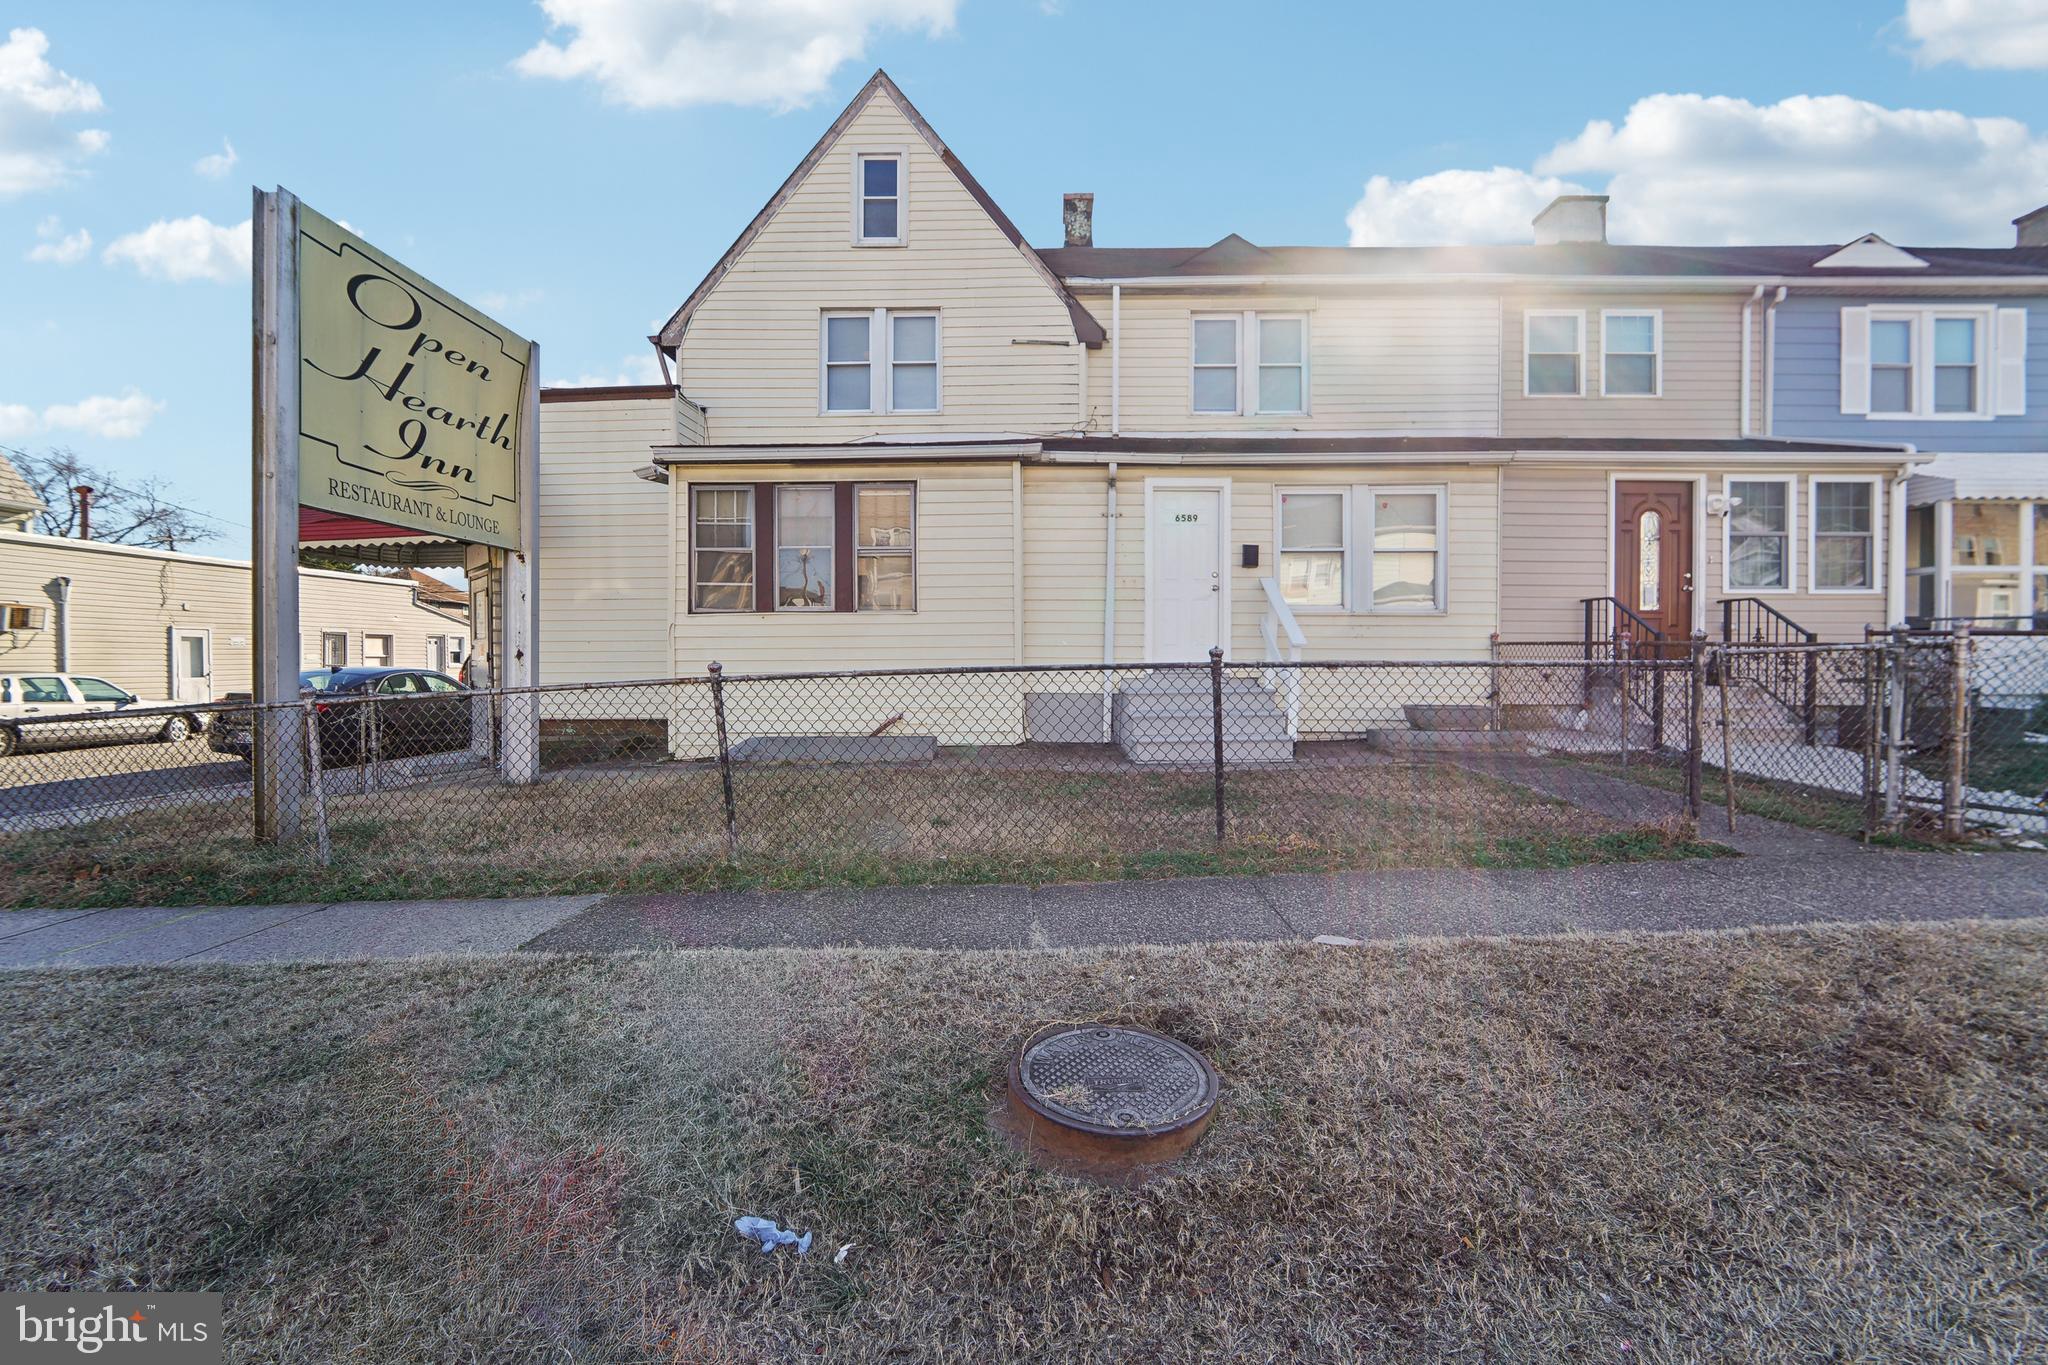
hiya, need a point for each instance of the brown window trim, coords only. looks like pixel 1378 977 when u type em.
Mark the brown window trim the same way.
pixel 844 565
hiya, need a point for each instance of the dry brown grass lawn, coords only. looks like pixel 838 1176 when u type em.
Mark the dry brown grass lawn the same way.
pixel 1814 1145
pixel 958 820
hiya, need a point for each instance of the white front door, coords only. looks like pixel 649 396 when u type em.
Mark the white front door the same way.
pixel 1186 574
pixel 191 665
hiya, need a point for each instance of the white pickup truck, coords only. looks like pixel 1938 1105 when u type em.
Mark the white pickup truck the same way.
pixel 92 711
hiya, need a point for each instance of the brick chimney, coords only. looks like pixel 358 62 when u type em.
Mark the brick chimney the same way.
pixel 2032 227
pixel 1077 212
pixel 1572 218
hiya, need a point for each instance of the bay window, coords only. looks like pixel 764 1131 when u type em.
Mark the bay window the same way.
pixel 1757 552
pixel 1843 554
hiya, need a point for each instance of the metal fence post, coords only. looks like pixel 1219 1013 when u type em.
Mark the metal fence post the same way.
pixel 1809 698
pixel 1958 732
pixel 1493 702
pixel 316 784
pixel 1695 736
pixel 1899 676
pixel 732 824
pixel 1873 749
pixel 1727 739
pixel 1623 659
pixel 1216 727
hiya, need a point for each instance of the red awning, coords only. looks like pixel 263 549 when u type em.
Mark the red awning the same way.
pixel 325 528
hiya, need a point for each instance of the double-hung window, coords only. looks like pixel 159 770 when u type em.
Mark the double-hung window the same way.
pixel 881 360
pixel 884 547
pixel 804 547
pixel 1283 363
pixel 796 547
pixel 1405 527
pixel 1249 362
pixel 1954 363
pixel 1631 359
pixel 878 199
pixel 1553 344
pixel 721 549
pixel 1891 365
pixel 1758 550
pixel 1214 382
pixel 1315 547
pixel 1844 551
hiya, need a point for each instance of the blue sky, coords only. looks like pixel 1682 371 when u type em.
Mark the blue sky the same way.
pixel 581 188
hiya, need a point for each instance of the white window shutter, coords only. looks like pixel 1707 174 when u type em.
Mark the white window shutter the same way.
pixel 2010 350
pixel 1855 361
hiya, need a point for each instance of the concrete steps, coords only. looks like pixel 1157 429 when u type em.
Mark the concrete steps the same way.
pixel 1169 717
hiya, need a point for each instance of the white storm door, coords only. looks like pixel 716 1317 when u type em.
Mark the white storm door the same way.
pixel 191 665
pixel 1186 608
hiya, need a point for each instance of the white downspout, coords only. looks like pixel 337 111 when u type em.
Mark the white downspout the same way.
pixel 1108 597
pixel 1116 373
pixel 1895 554
pixel 1748 335
pixel 63 624
pixel 1771 361
pixel 1017 559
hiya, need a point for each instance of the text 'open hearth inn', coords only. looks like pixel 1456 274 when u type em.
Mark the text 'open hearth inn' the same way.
pixel 901 435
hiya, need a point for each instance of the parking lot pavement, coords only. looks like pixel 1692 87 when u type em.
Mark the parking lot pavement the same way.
pixel 56 786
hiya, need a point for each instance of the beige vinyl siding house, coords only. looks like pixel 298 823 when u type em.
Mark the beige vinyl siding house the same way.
pixel 606 537
pixel 752 355
pixel 1405 362
pixel 127 605
pixel 1698 392
pixel 1557 534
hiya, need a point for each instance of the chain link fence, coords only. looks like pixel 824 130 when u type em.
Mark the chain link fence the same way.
pixel 1530 756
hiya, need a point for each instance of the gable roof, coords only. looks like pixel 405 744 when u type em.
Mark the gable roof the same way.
pixel 15 493
pixel 1086 329
pixel 1870 251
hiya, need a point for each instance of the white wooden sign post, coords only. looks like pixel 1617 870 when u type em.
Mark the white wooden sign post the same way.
pixel 381 396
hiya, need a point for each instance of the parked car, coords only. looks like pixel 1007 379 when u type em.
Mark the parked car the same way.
pixel 95 712
pixel 382 712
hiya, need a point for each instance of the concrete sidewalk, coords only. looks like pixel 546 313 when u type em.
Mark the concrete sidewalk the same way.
pixel 1842 882
pixel 276 933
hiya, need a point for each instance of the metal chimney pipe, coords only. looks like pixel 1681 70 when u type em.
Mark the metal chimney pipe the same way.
pixel 84 495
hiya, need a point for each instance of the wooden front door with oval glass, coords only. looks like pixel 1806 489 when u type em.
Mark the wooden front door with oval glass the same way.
pixel 1653 548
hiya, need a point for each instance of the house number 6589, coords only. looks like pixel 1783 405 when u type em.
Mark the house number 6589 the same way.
pixel 1187 516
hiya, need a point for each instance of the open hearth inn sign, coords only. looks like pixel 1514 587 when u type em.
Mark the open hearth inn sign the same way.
pixel 409 398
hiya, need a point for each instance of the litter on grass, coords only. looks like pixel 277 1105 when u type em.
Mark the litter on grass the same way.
pixel 770 1235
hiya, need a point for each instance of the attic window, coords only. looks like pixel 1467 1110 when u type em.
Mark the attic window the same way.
pixel 878 200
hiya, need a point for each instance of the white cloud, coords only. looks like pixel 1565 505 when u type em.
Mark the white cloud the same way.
pixel 36 150
pixel 664 54
pixel 219 163
pixel 115 419
pixel 1716 170
pixel 179 249
pixel 1452 206
pixel 639 368
pixel 54 246
pixel 506 301
pixel 2008 35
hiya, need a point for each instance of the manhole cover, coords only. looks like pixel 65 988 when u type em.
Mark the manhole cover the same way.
pixel 1111 1092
